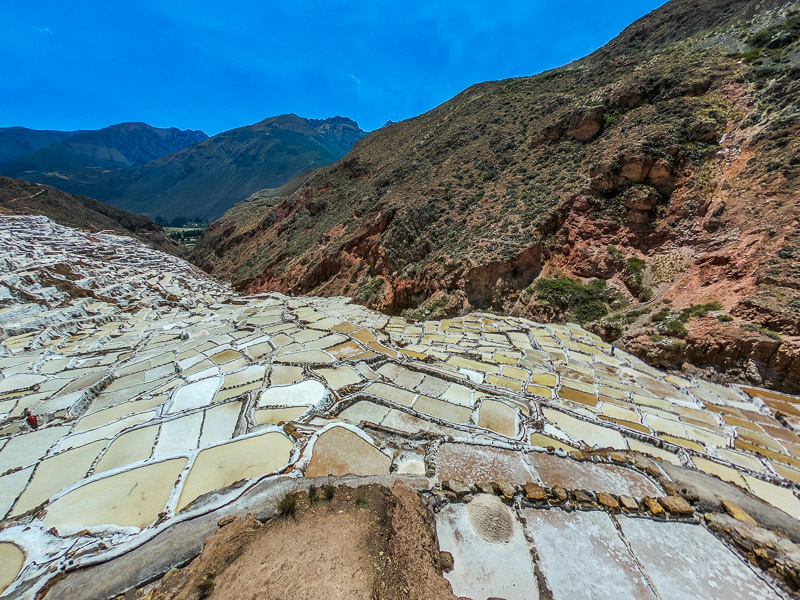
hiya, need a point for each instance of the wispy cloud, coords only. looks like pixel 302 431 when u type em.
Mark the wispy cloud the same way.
pixel 354 78
pixel 44 30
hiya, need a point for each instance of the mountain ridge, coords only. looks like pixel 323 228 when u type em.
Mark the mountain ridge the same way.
pixel 206 178
pixel 122 144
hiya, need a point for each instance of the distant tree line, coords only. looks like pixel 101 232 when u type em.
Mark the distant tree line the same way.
pixel 182 221
pixel 186 234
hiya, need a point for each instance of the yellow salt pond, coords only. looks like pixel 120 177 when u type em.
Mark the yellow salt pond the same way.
pixel 220 466
pixel 133 498
pixel 56 473
pixel 11 561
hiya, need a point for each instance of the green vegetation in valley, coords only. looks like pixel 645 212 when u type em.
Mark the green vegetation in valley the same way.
pixel 583 301
pixel 186 235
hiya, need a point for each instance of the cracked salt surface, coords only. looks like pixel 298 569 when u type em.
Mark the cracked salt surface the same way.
pixel 686 561
pixel 484 568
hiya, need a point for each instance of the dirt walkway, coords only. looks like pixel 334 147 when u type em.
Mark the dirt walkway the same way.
pixel 370 542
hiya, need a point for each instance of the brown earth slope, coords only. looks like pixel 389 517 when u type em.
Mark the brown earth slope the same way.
pixel 664 168
pixel 371 542
pixel 19 197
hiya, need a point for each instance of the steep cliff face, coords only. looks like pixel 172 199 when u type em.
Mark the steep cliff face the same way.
pixel 645 189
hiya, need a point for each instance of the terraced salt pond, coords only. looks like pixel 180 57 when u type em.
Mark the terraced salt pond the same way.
pixel 154 410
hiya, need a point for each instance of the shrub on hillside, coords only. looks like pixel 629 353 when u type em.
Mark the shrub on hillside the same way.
pixel 583 301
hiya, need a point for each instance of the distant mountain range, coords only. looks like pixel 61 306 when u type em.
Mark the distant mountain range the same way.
pixel 119 145
pixel 19 141
pixel 18 197
pixel 168 173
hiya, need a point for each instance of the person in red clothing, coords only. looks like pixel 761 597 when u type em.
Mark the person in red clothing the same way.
pixel 31 419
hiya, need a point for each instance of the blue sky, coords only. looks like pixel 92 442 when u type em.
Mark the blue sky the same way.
pixel 219 64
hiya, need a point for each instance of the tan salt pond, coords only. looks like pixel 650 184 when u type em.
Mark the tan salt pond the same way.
pixel 225 356
pixel 545 441
pixel 283 375
pixel 499 417
pixel 57 473
pixel 256 351
pixel 11 561
pixel 128 448
pixel 220 466
pixel 339 451
pixel 340 376
pixel 132 498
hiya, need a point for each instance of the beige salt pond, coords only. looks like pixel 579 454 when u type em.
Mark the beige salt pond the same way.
pixel 106 431
pixel 11 561
pixel 340 376
pixel 589 433
pixel 101 417
pixel 364 411
pixel 10 487
pixel 133 498
pixel 195 395
pixel 128 448
pixel 340 451
pixel 498 417
pixel 57 473
pixel 220 466
pixel 442 409
pixel 219 423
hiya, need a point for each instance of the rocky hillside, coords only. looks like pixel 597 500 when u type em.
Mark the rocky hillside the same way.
pixel 204 180
pixel 649 190
pixel 119 145
pixel 19 197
